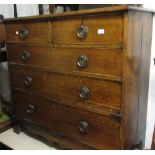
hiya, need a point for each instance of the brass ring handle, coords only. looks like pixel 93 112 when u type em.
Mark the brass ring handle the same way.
pixel 26 56
pixel 82 32
pixel 28 81
pixel 84 127
pixel 84 92
pixel 82 61
pixel 30 109
pixel 23 33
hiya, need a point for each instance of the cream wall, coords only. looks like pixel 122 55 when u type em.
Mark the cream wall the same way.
pixel 151 100
pixel 7 10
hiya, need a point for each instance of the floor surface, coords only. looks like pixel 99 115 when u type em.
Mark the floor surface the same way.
pixel 22 141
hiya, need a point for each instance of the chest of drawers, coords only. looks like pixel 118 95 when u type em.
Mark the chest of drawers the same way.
pixel 80 80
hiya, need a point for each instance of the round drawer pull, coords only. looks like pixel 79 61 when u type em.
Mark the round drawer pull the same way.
pixel 84 92
pixel 28 81
pixel 24 33
pixel 30 109
pixel 84 127
pixel 82 32
pixel 26 56
pixel 82 61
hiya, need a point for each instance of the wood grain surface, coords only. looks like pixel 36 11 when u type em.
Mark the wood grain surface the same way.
pixel 117 75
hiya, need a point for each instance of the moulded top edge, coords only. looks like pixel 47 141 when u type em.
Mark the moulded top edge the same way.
pixel 113 9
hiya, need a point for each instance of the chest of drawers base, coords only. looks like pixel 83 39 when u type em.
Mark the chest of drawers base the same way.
pixel 80 80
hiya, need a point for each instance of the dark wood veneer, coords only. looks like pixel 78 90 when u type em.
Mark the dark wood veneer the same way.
pixel 117 75
pixel 65 121
pixel 57 85
pixel 100 61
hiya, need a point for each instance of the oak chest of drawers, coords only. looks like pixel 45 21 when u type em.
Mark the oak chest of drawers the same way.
pixel 80 79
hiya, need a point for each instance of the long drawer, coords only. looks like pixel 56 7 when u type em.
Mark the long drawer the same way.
pixel 98 131
pixel 87 60
pixel 29 32
pixel 83 90
pixel 101 30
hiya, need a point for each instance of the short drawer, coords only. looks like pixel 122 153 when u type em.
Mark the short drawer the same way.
pixel 101 30
pixel 35 32
pixel 86 60
pixel 98 131
pixel 84 91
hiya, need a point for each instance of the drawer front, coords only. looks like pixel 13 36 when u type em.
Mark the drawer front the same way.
pixel 35 32
pixel 93 30
pixel 86 60
pixel 98 131
pixel 85 91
